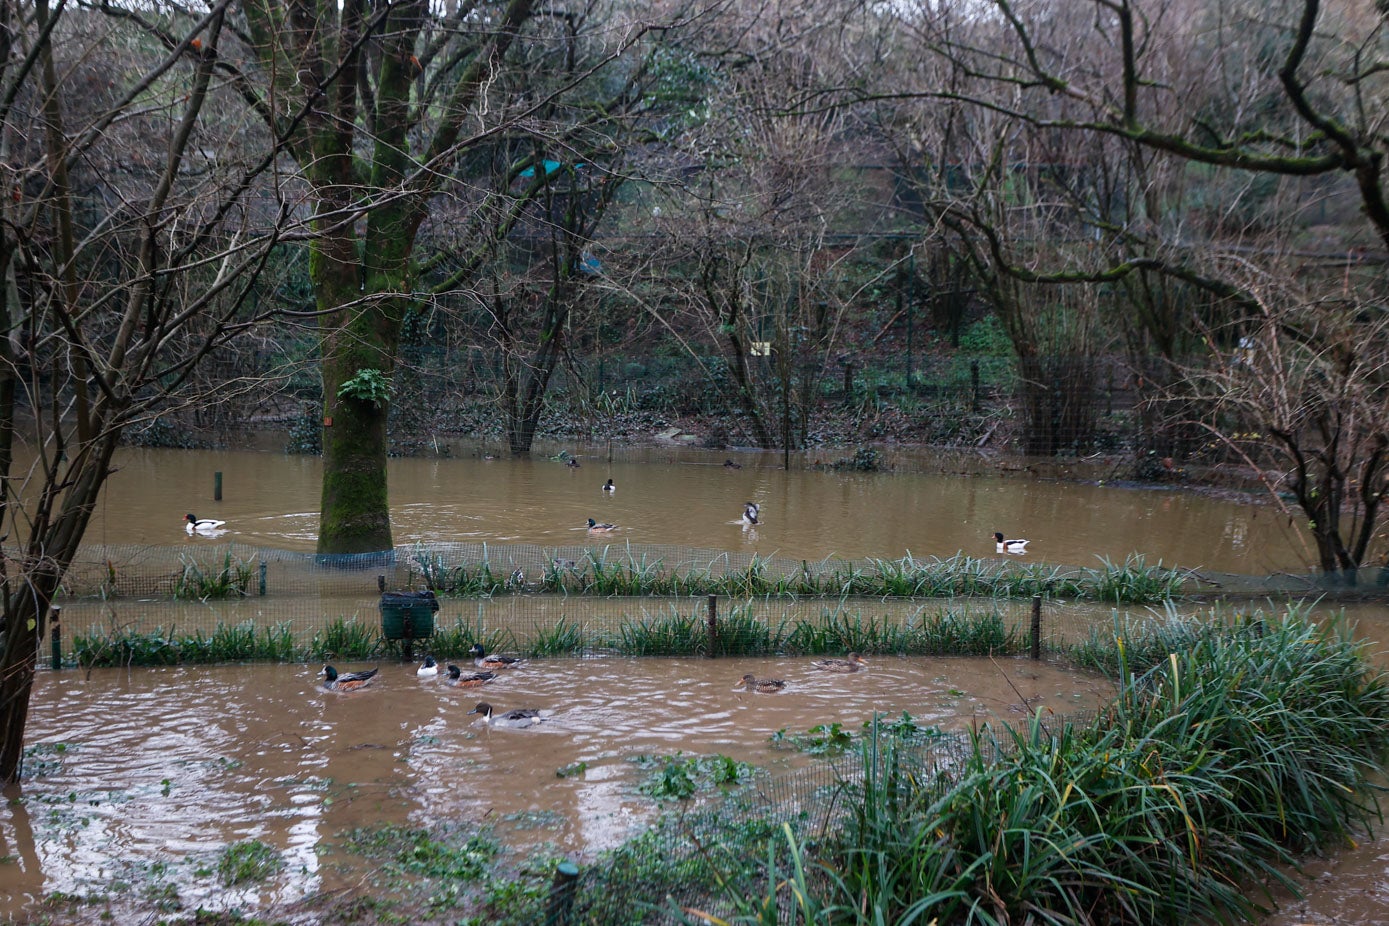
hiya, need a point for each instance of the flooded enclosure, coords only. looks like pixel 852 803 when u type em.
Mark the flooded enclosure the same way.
pixel 690 499
pixel 144 776
pixel 170 766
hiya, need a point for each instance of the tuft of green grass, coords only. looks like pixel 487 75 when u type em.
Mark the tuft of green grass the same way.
pixel 201 581
pixel 249 861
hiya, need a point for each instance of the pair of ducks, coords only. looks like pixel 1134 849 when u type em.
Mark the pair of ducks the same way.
pixel 751 682
pixel 484 661
pixel 752 512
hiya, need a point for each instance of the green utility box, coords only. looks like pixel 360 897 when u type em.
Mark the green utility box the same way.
pixel 408 615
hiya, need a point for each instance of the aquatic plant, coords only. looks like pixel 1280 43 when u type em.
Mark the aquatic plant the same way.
pixel 251 860
pixel 200 580
pixel 346 638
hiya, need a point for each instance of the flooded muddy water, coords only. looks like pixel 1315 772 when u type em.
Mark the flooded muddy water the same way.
pixel 690 499
pixel 167 767
pixel 161 769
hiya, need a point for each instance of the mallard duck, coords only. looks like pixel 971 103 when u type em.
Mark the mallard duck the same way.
pixel 474 680
pixel 518 718
pixel 852 663
pixel 751 511
pixel 196 525
pixel 729 464
pixel 751 682
pixel 1009 546
pixel 485 660
pixel 429 669
pixel 349 682
pixel 609 487
pixel 595 528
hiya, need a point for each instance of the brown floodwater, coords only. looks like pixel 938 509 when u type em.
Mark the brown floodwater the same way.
pixel 158 770
pixel 688 498
pixel 135 768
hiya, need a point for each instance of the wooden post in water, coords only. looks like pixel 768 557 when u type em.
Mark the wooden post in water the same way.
pixel 713 626
pixel 560 910
pixel 54 616
pixel 1036 626
pixel 217 486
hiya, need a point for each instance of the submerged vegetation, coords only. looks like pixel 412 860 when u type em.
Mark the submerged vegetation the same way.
pixel 1234 747
pixel 628 572
pixel 934 629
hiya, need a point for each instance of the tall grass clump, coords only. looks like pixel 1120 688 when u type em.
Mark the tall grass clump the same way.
pixel 1132 582
pixel 201 581
pixel 1215 769
pixel 459 579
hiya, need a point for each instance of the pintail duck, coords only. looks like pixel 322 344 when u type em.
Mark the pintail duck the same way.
pixel 751 510
pixel 1009 546
pixel 852 663
pixel 485 660
pixel 429 669
pixel 595 528
pixel 572 463
pixel 516 719
pixel 475 680
pixel 196 525
pixel 751 682
pixel 609 487
pixel 352 681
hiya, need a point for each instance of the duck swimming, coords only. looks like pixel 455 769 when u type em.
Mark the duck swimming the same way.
pixel 1009 546
pixel 475 680
pixel 729 464
pixel 429 669
pixel 595 528
pixel 852 663
pixel 751 682
pixel 196 525
pixel 352 681
pixel 485 660
pixel 572 463
pixel 516 719
pixel 609 487
pixel 751 510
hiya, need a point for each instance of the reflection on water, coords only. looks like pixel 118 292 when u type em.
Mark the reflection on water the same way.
pixel 688 498
pixel 172 765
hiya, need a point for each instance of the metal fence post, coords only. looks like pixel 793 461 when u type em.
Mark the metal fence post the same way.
pixel 1036 626
pixel 713 626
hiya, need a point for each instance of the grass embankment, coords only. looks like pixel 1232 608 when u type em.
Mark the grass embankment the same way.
pixel 1226 756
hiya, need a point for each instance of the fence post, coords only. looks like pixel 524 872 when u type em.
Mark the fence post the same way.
pixel 217 486
pixel 262 578
pixel 713 626
pixel 54 615
pixel 560 910
pixel 1036 626
pixel 974 385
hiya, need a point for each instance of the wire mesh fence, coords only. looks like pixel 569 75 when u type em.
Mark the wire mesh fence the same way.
pixel 635 599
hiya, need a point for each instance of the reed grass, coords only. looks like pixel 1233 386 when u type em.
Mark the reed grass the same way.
pixel 202 581
pixel 625 571
pixel 243 642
